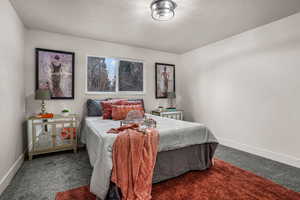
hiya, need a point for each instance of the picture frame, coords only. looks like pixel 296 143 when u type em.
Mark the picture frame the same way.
pixel 164 80
pixel 55 70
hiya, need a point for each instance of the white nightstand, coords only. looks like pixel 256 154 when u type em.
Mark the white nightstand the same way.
pixel 178 114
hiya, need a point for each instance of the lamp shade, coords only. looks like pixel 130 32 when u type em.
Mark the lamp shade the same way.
pixel 171 95
pixel 43 94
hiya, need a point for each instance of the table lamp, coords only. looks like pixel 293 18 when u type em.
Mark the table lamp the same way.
pixel 43 94
pixel 171 96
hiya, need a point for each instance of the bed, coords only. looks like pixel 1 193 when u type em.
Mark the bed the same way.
pixel 183 146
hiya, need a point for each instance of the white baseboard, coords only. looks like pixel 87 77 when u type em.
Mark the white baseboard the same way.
pixel 4 182
pixel 279 157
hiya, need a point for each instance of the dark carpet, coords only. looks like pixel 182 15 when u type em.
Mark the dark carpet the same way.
pixel 223 181
pixel 45 175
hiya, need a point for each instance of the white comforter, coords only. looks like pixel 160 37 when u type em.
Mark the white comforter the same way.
pixel 174 134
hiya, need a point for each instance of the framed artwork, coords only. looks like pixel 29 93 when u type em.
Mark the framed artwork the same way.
pixel 131 76
pixel 112 75
pixel 55 70
pixel 165 79
pixel 101 74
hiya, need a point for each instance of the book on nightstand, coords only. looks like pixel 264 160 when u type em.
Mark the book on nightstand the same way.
pixel 171 109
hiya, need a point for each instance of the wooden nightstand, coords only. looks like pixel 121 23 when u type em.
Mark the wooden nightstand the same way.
pixel 51 135
pixel 178 114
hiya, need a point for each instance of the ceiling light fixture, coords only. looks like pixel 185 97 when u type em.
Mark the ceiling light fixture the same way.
pixel 163 10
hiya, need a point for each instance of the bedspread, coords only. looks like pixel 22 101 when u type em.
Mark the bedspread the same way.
pixel 174 134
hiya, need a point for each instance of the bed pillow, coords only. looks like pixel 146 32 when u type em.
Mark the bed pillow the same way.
pixel 94 108
pixel 107 107
pixel 135 102
pixel 119 112
pixel 132 102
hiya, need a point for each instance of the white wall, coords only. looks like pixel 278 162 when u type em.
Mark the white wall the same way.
pixel 12 104
pixel 82 48
pixel 246 89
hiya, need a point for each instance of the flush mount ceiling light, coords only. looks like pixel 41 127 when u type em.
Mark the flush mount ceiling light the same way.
pixel 163 10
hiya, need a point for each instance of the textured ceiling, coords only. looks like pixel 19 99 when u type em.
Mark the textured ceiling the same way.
pixel 197 22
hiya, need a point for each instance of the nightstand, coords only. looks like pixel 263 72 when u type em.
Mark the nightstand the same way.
pixel 46 135
pixel 176 114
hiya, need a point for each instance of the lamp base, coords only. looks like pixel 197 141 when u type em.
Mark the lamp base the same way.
pixel 43 107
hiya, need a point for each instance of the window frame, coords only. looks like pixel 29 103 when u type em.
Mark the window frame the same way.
pixel 117 77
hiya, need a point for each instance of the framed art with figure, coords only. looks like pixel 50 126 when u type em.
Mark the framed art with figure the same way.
pixel 165 79
pixel 55 71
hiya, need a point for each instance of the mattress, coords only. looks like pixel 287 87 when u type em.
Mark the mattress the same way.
pixel 174 134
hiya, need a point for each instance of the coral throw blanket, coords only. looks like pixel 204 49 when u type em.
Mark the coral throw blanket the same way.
pixel 134 156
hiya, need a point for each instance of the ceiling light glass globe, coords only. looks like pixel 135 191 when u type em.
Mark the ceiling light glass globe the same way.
pixel 163 10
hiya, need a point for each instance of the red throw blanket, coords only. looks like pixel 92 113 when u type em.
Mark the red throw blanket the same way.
pixel 134 156
pixel 122 128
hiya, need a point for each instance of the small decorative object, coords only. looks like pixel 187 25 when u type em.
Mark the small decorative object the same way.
pixel 163 10
pixel 46 115
pixel 65 112
pixel 66 133
pixel 165 79
pixel 55 70
pixel 171 97
pixel 133 117
pixel 171 109
pixel 160 108
pixel 146 124
pixel 149 122
pixel 43 94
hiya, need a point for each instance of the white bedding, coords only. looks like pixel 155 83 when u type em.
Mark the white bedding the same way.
pixel 174 134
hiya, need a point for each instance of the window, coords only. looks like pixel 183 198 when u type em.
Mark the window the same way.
pixel 110 75
pixel 131 76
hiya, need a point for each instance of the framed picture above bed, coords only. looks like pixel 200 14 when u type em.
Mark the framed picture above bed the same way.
pixel 114 75
pixel 55 70
pixel 164 80
pixel 131 76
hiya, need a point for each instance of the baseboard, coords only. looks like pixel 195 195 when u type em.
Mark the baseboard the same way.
pixel 279 157
pixel 5 181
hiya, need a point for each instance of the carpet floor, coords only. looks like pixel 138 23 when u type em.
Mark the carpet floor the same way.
pixel 223 181
pixel 45 175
